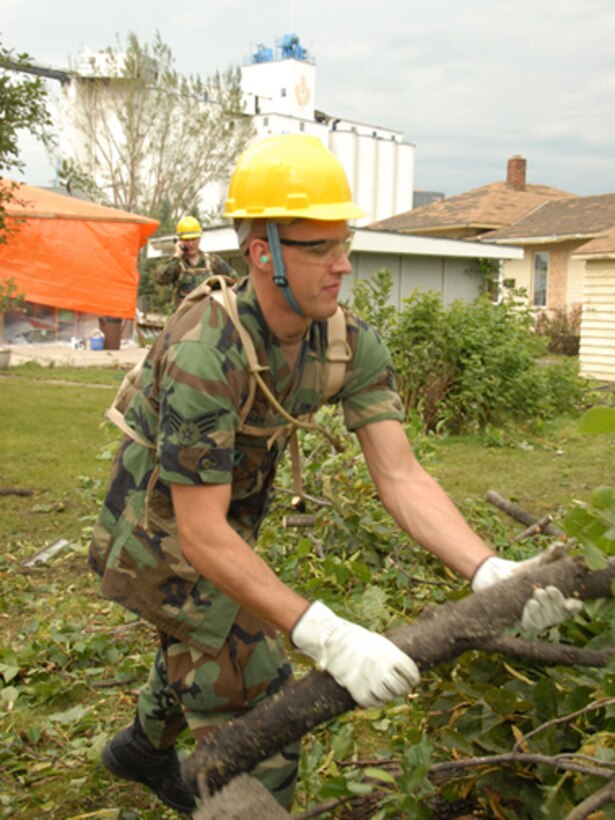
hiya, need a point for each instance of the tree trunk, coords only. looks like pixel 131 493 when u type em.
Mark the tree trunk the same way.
pixel 440 634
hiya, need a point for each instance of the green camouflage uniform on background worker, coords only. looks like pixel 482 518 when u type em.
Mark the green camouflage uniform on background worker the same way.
pixel 192 480
pixel 189 267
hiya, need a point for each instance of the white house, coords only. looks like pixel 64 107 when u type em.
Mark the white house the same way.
pixel 445 266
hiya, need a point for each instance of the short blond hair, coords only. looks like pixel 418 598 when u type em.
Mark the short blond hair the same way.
pixel 249 229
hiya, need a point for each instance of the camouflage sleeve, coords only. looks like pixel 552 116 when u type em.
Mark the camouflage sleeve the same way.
pixel 369 392
pixel 220 267
pixel 201 391
pixel 168 272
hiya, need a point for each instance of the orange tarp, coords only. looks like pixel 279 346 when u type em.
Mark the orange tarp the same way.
pixel 72 254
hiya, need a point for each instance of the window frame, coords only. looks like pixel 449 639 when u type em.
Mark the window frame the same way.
pixel 540 294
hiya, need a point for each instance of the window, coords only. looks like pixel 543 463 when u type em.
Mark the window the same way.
pixel 540 278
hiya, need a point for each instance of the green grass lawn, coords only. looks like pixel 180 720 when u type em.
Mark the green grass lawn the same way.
pixel 542 473
pixel 71 662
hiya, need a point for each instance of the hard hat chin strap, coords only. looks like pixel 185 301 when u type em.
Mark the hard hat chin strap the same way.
pixel 279 268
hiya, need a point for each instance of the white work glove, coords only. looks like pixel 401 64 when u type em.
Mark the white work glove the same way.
pixel 547 607
pixel 368 665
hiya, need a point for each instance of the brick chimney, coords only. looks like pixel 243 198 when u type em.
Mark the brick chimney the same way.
pixel 515 176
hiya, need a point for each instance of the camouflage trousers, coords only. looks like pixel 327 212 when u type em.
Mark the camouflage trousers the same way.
pixel 188 688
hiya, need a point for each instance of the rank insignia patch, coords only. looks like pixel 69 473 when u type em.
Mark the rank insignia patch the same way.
pixel 190 431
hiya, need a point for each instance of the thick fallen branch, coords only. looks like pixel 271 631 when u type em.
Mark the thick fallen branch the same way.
pixel 439 635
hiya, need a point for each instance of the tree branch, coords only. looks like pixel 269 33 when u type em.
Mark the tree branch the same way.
pixel 450 769
pixel 551 654
pixel 591 707
pixel 439 635
pixel 519 514
pixel 600 798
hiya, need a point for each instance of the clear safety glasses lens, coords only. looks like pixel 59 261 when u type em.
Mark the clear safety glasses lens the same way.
pixel 321 251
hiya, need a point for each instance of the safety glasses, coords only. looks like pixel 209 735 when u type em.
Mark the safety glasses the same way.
pixel 321 251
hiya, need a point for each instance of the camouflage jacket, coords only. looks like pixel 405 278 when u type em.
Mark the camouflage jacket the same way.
pixel 186 277
pixel 195 381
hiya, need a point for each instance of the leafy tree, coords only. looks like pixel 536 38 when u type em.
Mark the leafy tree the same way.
pixel 23 105
pixel 149 139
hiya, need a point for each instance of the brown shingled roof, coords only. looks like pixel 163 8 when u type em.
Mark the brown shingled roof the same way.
pixel 482 209
pixel 603 245
pixel 576 218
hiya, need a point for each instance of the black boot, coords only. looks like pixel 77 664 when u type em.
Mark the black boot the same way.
pixel 131 755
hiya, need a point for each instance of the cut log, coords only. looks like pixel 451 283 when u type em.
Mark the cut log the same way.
pixel 519 514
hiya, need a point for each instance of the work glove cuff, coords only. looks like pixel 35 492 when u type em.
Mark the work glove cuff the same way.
pixel 311 632
pixel 492 570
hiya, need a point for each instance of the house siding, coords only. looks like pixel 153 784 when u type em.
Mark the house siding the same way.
pixel 452 278
pixel 597 352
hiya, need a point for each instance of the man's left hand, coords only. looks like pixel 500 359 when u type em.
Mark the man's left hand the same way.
pixel 547 607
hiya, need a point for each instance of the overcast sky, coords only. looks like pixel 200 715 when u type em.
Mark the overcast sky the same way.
pixel 469 82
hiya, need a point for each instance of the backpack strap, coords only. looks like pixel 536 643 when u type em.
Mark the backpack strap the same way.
pixel 123 397
pixel 338 353
pixel 229 300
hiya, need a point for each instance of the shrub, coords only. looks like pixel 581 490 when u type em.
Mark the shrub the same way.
pixel 468 366
pixel 562 329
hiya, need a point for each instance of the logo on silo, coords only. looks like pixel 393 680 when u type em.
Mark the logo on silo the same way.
pixel 302 92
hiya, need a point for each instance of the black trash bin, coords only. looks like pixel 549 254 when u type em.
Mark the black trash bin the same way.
pixel 111 326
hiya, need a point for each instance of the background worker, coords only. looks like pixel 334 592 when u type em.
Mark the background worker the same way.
pixel 188 266
pixel 191 486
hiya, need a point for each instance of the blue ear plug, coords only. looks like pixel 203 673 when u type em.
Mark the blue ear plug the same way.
pixel 264 259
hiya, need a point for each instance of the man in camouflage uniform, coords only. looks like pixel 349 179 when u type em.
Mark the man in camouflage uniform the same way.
pixel 188 267
pixel 192 482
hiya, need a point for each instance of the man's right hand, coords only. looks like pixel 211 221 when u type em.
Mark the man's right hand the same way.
pixel 368 665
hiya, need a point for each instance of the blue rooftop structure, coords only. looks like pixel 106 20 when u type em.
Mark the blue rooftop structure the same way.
pixel 287 47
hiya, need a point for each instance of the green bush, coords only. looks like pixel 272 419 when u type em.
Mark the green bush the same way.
pixel 469 366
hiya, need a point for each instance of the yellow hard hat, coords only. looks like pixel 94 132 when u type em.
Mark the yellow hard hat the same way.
pixel 188 228
pixel 290 176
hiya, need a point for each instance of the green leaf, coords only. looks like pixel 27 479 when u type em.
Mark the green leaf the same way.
pixel 355 787
pixel 590 529
pixel 304 547
pixel 501 700
pixel 378 774
pixel 69 715
pixel 8 672
pixel 597 420
pixel 595 558
pixel 602 498
pixel 9 694
pixel 337 787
